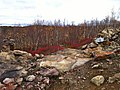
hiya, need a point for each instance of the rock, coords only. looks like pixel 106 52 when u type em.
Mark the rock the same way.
pixel 114 37
pixel 30 78
pixel 37 56
pixel 61 78
pixel 30 87
pixel 92 45
pixel 62 66
pixel 19 81
pixel 98 80
pixel 11 71
pixel 10 86
pixel 84 47
pixel 1 85
pixel 24 55
pixel 80 61
pixel 9 43
pixel 9 74
pixel 56 57
pixel 49 72
pixel 46 80
pixel 7 56
pixel 19 68
pixel 8 80
pixel 96 66
pixel 23 72
pixel 69 52
pixel 42 86
pixel 99 40
pixel 114 78
pixel 19 52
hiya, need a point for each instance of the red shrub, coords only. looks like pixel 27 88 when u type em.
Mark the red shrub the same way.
pixel 76 45
pixel 46 50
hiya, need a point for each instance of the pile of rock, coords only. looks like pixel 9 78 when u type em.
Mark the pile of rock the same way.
pixel 21 71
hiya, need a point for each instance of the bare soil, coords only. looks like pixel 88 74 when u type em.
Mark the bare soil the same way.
pixel 79 78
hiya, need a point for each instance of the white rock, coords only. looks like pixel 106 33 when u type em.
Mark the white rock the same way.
pixel 96 66
pixel 98 80
pixel 37 55
pixel 30 78
pixel 8 80
pixel 100 39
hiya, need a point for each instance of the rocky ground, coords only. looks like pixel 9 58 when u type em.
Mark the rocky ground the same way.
pixel 81 78
pixel 94 66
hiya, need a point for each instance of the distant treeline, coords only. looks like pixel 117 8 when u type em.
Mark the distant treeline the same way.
pixel 41 35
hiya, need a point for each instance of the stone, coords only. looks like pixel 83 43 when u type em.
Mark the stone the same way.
pixel 30 78
pixel 49 72
pixel 42 86
pixel 98 80
pixel 29 87
pixel 62 66
pixel 23 54
pixel 46 80
pixel 114 78
pixel 19 52
pixel 92 45
pixel 11 71
pixel 96 66
pixel 7 56
pixel 1 85
pixel 84 46
pixel 61 78
pixel 19 81
pixel 8 80
pixel 23 72
pixel 80 61
pixel 99 40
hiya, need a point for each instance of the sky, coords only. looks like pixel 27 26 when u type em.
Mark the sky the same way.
pixel 27 11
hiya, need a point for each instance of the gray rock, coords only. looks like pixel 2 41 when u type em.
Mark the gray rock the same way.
pixel 98 80
pixel 114 78
pixel 49 72
pixel 30 78
pixel 80 61
pixel 11 71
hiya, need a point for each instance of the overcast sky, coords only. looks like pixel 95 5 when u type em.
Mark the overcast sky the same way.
pixel 26 11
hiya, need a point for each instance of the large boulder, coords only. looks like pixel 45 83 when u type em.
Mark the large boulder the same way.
pixel 62 65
